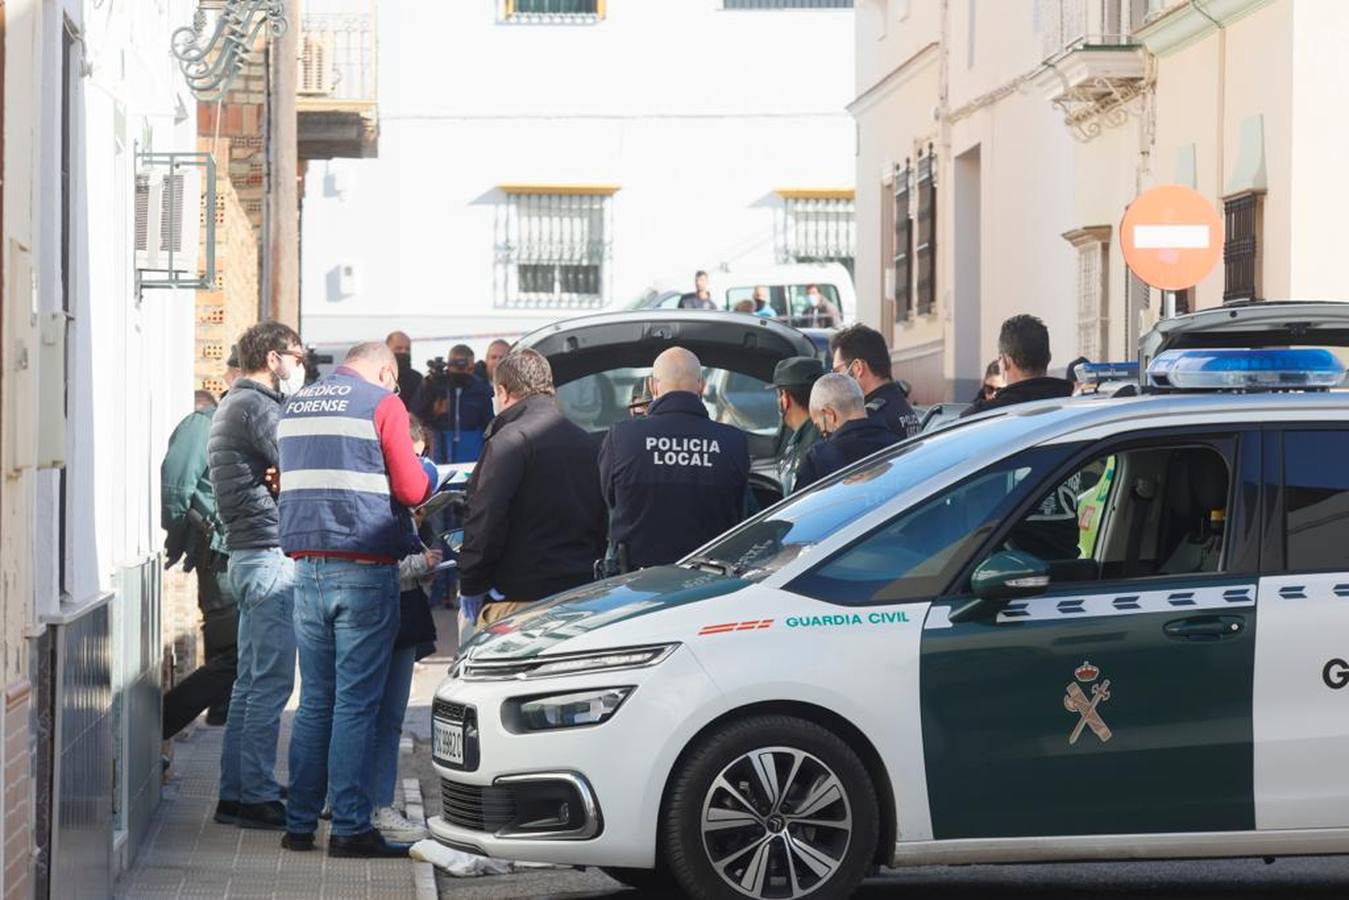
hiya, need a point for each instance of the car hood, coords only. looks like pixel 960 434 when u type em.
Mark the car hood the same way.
pixel 735 342
pixel 580 611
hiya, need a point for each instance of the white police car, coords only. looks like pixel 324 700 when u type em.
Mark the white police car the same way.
pixel 925 660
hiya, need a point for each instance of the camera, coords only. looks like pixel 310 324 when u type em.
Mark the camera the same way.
pixel 437 366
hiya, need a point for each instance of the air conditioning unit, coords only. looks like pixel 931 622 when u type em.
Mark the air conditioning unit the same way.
pixel 168 222
pixel 316 64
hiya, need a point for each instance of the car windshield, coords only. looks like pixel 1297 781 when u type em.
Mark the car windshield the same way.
pixel 601 399
pixel 775 537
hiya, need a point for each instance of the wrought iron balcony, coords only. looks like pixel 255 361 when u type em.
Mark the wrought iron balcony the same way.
pixel 1094 67
pixel 338 89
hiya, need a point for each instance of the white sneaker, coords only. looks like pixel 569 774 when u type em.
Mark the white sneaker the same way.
pixel 396 827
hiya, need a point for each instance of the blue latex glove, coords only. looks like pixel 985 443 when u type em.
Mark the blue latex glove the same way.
pixel 471 605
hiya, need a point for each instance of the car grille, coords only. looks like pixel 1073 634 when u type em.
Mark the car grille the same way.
pixel 444 709
pixel 476 808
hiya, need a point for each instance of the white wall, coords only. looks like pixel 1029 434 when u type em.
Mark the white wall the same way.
pixel 129 363
pixel 696 113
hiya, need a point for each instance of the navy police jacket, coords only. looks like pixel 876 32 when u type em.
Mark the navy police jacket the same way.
pixel 890 405
pixel 672 480
pixel 854 440
pixel 348 472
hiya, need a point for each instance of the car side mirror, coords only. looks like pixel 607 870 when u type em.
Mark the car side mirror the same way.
pixel 1009 575
pixel 1006 575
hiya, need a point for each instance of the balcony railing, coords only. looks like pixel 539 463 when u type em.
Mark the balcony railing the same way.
pixel 1067 25
pixel 338 57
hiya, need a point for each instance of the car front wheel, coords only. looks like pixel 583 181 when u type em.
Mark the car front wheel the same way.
pixel 770 806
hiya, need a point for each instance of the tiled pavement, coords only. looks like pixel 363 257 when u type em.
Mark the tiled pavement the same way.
pixel 188 855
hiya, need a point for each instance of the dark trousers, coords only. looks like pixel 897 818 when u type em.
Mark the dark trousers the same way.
pixel 210 685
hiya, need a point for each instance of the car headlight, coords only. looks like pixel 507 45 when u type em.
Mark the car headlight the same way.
pixel 564 663
pixel 544 713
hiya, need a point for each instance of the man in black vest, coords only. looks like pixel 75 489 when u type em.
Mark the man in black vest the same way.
pixel 838 409
pixel 861 353
pixel 674 479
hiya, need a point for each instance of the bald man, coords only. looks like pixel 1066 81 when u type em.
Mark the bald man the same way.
pixel 839 411
pixel 674 479
pixel 409 379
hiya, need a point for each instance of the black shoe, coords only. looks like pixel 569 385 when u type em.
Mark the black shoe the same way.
pixel 366 845
pixel 300 843
pixel 269 816
pixel 227 812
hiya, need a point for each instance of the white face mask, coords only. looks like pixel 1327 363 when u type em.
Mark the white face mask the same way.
pixel 292 382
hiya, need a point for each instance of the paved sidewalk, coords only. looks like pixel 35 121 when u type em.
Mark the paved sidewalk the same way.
pixel 188 855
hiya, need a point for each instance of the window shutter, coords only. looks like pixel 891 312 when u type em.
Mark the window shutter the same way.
pixel 925 247
pixel 903 246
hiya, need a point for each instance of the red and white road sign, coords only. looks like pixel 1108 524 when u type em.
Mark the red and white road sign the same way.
pixel 1172 237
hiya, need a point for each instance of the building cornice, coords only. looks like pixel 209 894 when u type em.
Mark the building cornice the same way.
pixel 893 79
pixel 1185 23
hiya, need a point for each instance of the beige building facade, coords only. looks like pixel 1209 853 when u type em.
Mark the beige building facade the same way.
pixel 999 144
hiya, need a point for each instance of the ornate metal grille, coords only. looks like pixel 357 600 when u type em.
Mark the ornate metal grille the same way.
pixel 546 8
pixel 551 250
pixel 903 246
pixel 1240 249
pixel 788 4
pixel 819 229
pixel 925 248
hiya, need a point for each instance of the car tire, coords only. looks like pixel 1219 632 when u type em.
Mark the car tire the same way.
pixel 770 805
pixel 650 882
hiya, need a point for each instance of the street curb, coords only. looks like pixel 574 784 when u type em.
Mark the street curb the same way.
pixel 423 873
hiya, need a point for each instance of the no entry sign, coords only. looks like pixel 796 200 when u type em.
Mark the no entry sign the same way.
pixel 1172 237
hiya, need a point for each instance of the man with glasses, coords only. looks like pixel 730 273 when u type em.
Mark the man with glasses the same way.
pixel 241 449
pixel 861 353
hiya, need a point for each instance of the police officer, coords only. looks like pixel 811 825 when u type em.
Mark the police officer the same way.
pixel 839 411
pixel 673 479
pixel 793 378
pixel 861 352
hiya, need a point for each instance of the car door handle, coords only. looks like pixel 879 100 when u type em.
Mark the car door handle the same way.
pixel 1205 628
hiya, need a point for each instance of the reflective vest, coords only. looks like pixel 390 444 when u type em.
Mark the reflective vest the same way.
pixel 335 496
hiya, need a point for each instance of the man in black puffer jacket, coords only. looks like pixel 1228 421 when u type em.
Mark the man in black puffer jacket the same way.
pixel 242 447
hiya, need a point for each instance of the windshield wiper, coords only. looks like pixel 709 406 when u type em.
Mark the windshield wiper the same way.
pixel 702 562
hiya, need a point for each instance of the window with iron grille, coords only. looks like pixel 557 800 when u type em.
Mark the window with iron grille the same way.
pixel 1092 299
pixel 925 245
pixel 787 4
pixel 902 259
pixel 552 249
pixel 542 10
pixel 1241 249
pixel 818 229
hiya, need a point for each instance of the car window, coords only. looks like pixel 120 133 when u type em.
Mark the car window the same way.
pixel 777 297
pixel 800 305
pixel 919 551
pixel 1316 500
pixel 1136 513
pixel 599 400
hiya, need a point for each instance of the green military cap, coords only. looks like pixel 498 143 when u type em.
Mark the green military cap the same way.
pixel 797 371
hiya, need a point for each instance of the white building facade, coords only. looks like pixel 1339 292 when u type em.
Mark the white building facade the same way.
pixel 1000 142
pixel 542 158
pixel 95 376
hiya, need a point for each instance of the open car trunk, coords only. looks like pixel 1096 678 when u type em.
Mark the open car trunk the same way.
pixel 600 361
pixel 1319 323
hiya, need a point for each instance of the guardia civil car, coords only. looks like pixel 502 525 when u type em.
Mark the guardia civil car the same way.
pixel 1081 629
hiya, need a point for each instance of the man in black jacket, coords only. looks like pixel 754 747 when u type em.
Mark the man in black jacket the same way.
pixel 674 479
pixel 1023 354
pixel 242 447
pixel 861 353
pixel 535 519
pixel 839 411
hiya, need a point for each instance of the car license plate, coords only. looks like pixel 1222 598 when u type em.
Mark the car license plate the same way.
pixel 447 741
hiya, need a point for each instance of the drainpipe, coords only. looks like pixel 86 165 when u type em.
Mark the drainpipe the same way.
pixel 1222 89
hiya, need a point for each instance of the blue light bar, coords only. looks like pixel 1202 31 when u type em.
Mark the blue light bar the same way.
pixel 1100 373
pixel 1303 367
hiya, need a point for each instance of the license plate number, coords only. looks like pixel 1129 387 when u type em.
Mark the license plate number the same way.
pixel 447 741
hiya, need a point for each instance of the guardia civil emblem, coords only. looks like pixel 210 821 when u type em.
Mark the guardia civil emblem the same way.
pixel 1076 700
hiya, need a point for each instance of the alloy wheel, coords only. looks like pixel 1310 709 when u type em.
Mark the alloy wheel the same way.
pixel 776 823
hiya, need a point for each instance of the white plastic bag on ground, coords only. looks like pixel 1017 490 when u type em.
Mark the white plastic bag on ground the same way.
pixel 457 862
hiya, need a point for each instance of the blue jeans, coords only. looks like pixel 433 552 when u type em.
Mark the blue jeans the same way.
pixel 346 617
pixel 263 581
pixel 389 726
